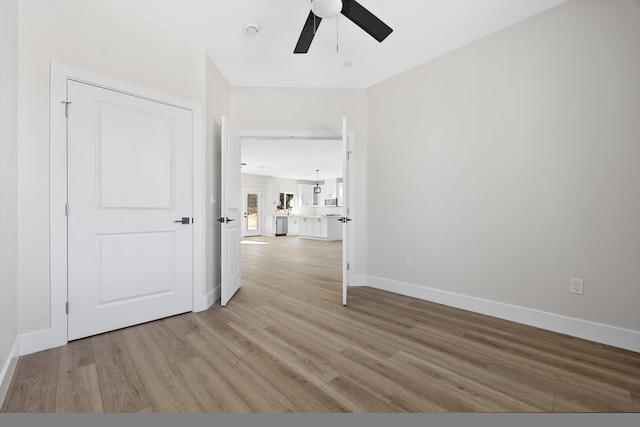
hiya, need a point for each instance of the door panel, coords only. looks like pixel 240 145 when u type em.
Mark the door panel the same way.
pixel 129 179
pixel 231 205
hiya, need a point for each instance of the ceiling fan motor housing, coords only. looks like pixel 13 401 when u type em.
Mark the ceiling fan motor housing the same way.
pixel 326 8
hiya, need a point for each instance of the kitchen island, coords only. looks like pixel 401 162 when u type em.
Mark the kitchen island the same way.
pixel 320 227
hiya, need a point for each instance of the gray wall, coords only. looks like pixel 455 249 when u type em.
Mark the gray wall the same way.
pixel 516 166
pixel 94 38
pixel 8 187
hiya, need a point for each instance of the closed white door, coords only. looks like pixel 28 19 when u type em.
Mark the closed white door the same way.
pixel 129 181
pixel 230 224
pixel 252 213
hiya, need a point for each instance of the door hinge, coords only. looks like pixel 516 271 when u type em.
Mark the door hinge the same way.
pixel 66 107
pixel 67 307
pixel 66 209
pixel 348 266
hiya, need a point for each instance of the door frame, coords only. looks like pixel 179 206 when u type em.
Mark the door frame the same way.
pixel 260 191
pixel 59 75
pixel 320 135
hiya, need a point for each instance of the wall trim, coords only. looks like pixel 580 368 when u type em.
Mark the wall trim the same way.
pixel 8 369
pixel 359 280
pixel 204 302
pixel 36 341
pixel 605 334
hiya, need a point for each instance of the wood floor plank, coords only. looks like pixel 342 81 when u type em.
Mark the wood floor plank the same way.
pixel 34 386
pixel 79 390
pixel 165 389
pixel 312 368
pixel 255 391
pixel 209 389
pixel 474 392
pixel 356 398
pixel 120 385
pixel 305 396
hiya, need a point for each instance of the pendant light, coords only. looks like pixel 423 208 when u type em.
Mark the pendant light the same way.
pixel 317 188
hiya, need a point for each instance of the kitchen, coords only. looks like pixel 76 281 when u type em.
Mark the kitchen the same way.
pixel 292 188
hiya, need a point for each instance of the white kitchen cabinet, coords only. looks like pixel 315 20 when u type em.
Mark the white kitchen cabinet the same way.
pixel 272 196
pixel 305 195
pixel 322 228
pixel 294 225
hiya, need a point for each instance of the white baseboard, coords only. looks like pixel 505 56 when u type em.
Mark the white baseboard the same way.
pixel 38 341
pixel 206 301
pixel 611 335
pixel 359 280
pixel 8 368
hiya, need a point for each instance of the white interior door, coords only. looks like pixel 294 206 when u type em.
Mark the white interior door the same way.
pixel 129 181
pixel 347 162
pixel 252 212
pixel 230 218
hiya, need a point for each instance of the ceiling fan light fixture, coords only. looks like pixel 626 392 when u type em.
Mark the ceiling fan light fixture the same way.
pixel 326 8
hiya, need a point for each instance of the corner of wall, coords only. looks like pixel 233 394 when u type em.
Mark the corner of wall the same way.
pixel 8 369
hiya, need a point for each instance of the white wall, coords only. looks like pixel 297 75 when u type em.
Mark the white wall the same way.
pixel 516 166
pixel 88 36
pixel 8 191
pixel 305 109
pixel 218 105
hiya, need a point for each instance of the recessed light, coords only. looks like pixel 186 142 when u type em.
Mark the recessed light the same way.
pixel 348 64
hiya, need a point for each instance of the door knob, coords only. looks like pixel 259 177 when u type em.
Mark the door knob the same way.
pixel 184 220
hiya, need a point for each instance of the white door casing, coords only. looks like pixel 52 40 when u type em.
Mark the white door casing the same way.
pixel 230 213
pixel 61 76
pixel 129 180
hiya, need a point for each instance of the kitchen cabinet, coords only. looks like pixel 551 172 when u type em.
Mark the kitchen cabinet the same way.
pixel 305 195
pixel 272 196
pixel 320 227
pixel 294 225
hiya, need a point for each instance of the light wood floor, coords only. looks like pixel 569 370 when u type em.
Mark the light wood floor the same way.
pixel 286 344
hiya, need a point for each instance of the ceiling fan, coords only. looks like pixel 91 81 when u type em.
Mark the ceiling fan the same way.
pixel 349 8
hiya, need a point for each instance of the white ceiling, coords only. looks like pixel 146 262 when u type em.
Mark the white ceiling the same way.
pixel 422 30
pixel 293 158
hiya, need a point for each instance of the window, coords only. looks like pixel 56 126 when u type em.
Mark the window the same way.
pixel 286 203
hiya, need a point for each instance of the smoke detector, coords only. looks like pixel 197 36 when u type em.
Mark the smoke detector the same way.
pixel 252 29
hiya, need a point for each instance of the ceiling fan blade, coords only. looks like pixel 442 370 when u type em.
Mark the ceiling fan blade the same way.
pixel 365 20
pixel 308 31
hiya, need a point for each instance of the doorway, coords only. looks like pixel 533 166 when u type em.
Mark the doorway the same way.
pixel 347 195
pixel 252 212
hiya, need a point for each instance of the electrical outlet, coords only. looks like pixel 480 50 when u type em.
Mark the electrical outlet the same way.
pixel 577 286
pixel 409 262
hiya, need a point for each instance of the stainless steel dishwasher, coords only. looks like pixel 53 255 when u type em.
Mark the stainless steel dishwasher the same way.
pixel 282 225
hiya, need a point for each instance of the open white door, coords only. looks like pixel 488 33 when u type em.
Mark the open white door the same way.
pixel 347 158
pixel 230 210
